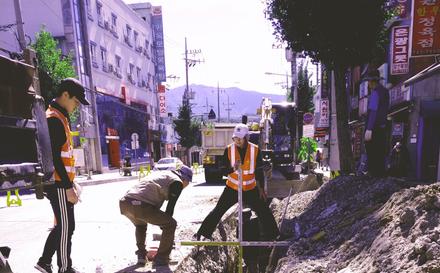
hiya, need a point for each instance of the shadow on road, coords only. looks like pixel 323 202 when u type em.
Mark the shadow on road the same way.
pixel 205 184
pixel 146 269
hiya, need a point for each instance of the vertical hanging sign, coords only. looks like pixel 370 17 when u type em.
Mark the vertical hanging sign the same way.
pixel 162 104
pixel 159 48
pixel 425 39
pixel 400 50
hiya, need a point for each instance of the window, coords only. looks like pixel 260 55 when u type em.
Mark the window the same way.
pixel 89 9
pixel 138 76
pixel 127 36
pixel 131 68
pixel 136 39
pixel 100 14
pixel 104 59
pixel 93 54
pixel 114 19
pixel 98 8
pixel 118 61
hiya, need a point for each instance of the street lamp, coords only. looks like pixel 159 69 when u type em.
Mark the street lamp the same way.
pixel 287 83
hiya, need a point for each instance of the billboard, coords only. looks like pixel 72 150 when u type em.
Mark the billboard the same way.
pixel 425 37
pixel 399 50
pixel 159 47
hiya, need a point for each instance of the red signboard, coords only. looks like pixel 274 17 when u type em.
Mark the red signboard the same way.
pixel 162 104
pixel 400 50
pixel 425 28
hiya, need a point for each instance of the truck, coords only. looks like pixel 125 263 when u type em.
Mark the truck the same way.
pixel 25 148
pixel 275 135
pixel 215 138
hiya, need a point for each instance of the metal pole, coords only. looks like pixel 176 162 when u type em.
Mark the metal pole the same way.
pixel 185 94
pixel 229 111
pixel 240 217
pixel 240 203
pixel 218 102
pixel 19 20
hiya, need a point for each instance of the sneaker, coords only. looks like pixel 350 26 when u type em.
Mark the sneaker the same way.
pixel 161 262
pixel 141 259
pixel 42 267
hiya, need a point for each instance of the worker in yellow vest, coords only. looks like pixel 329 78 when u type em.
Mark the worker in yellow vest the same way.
pixel 62 195
pixel 246 155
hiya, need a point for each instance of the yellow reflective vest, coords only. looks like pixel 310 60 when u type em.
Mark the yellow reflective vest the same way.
pixel 66 149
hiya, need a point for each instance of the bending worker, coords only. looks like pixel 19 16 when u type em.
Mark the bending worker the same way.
pixel 141 204
pixel 253 193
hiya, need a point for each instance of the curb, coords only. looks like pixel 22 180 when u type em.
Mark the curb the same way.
pixel 105 181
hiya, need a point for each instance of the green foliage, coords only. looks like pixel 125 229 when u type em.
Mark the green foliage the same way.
pixel 187 129
pixel 308 146
pixel 52 65
pixel 339 33
pixel 305 91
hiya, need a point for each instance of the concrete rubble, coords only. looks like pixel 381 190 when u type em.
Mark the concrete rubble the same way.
pixel 350 225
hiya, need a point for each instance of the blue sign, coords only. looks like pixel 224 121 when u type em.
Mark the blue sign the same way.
pixel 308 118
pixel 157 26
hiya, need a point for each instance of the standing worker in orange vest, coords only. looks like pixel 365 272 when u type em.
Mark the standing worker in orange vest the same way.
pixel 253 193
pixel 62 195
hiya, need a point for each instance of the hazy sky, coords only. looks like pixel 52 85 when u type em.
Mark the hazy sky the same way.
pixel 234 37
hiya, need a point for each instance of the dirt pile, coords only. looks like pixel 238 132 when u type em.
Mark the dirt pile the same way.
pixel 357 224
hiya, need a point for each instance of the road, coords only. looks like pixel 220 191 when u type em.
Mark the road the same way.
pixel 103 238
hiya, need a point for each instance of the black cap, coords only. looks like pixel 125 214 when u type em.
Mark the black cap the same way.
pixel 74 88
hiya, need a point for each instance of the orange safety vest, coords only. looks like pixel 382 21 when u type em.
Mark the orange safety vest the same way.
pixel 248 167
pixel 66 149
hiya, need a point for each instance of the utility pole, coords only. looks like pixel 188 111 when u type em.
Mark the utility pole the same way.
pixel 186 93
pixel 218 102
pixel 189 63
pixel 229 108
pixel 20 29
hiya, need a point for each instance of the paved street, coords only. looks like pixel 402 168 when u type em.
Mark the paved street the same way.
pixel 103 238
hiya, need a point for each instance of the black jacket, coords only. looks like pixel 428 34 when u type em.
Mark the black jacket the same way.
pixel 58 138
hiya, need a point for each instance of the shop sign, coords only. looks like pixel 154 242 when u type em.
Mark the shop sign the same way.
pixel 357 141
pixel 162 101
pixel 363 106
pixel 397 129
pixel 159 47
pixel 324 114
pixel 425 25
pixel 399 94
pixel 400 50
pixel 363 89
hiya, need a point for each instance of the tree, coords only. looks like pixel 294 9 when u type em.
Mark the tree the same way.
pixel 186 128
pixel 305 91
pixel 53 66
pixel 339 34
pixel 307 149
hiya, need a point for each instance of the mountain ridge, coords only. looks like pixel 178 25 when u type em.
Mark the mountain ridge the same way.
pixel 241 102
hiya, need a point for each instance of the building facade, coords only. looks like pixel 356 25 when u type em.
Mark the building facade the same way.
pixel 113 46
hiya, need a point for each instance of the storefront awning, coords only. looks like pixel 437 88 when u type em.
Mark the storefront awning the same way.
pixel 423 74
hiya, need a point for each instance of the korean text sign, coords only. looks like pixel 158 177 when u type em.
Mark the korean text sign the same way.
pixel 425 28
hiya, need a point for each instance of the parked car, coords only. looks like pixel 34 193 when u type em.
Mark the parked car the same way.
pixel 167 163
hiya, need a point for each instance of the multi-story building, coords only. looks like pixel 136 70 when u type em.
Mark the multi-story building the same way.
pixel 114 49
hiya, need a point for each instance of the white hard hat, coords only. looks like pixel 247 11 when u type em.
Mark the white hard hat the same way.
pixel 240 131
